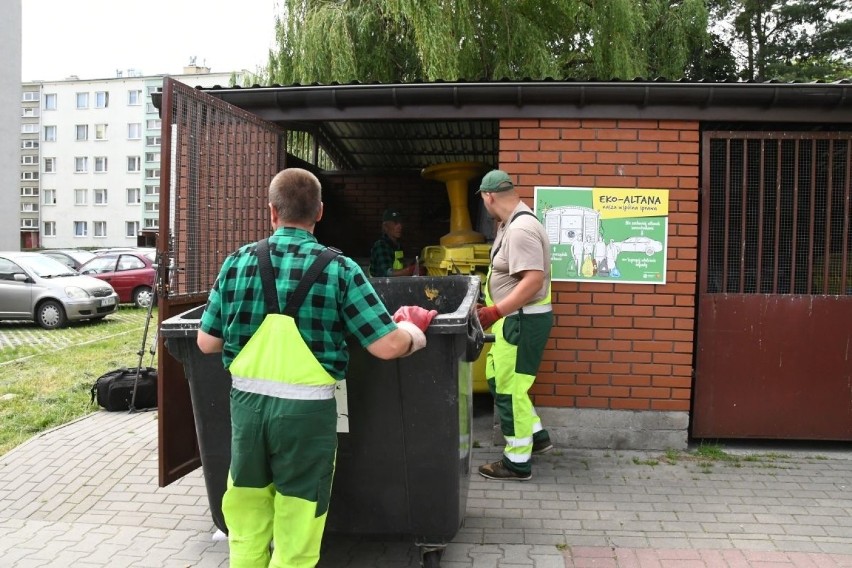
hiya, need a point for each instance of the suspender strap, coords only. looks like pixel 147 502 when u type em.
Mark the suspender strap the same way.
pixel 267 278
pixel 515 216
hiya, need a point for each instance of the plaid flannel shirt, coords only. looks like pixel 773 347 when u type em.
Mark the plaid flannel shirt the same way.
pixel 341 302
pixel 382 256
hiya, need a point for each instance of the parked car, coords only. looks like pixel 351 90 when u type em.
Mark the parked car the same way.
pixel 131 273
pixel 72 258
pixel 36 287
pixel 640 244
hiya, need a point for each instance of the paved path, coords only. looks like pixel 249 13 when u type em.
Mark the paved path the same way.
pixel 86 495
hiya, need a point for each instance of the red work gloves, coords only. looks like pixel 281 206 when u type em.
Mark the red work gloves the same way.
pixel 487 315
pixel 414 320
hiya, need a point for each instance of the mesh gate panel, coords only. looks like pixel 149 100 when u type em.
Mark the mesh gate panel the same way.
pixel 217 162
pixel 779 206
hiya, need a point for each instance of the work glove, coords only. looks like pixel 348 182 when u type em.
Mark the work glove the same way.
pixel 414 320
pixel 487 315
pixel 407 271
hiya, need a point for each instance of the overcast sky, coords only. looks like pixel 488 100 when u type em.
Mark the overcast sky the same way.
pixel 94 38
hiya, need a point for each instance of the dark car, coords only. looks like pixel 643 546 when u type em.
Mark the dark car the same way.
pixel 35 287
pixel 72 258
pixel 131 273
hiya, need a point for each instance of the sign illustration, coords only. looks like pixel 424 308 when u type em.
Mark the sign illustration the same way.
pixel 606 235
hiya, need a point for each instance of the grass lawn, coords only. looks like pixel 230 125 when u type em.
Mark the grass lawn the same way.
pixel 46 376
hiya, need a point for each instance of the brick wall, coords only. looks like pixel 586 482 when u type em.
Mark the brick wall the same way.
pixel 617 346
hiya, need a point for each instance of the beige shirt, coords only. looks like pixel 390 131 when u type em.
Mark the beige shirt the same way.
pixel 522 245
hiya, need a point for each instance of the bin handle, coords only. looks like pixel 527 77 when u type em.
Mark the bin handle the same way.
pixel 475 337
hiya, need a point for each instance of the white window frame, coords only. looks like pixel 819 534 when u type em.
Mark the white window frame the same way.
pixel 50 101
pixel 101 164
pixel 29 160
pixel 152 173
pixel 81 164
pixel 29 191
pixel 49 166
pixel 152 157
pixel 102 131
pixel 129 193
pixel 152 223
pixel 29 176
pixel 81 196
pixel 29 207
pixel 29 128
pixel 99 197
pixel 131 228
pixel 81 132
pixel 134 164
pixel 49 229
pixel 101 99
pixel 152 207
pixel 48 197
pixel 153 140
pixel 29 112
pixel 134 97
pixel 134 130
pixel 152 190
pixel 29 144
pixel 50 133
pixel 99 229
pixel 81 229
pixel 29 96
pixel 29 223
pixel 85 100
pixel 153 124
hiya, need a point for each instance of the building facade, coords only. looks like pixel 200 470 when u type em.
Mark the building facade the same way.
pixel 90 153
pixel 10 122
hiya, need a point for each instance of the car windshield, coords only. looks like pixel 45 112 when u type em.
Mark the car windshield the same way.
pixel 44 266
pixel 81 256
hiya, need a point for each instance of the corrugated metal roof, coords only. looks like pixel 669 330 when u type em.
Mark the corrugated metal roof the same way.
pixel 411 125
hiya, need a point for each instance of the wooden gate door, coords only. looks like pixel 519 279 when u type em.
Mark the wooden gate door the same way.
pixel 216 161
pixel 774 340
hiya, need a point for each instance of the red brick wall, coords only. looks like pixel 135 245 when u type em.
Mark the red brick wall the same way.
pixel 617 346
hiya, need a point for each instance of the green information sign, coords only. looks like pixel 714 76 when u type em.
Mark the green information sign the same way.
pixel 606 235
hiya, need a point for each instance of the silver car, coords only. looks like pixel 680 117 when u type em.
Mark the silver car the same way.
pixel 35 287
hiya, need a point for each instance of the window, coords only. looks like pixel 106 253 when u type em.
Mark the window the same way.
pixel 29 207
pixel 153 124
pixel 80 196
pixel 100 164
pixel 50 101
pixel 134 130
pixel 100 196
pixel 82 100
pixel 100 132
pixel 49 229
pixel 48 197
pixel 150 108
pixel 29 128
pixel 29 160
pixel 81 228
pixel 29 223
pixel 29 144
pixel 153 173
pixel 134 97
pixel 152 157
pixel 133 197
pixel 134 164
pixel 30 112
pixel 99 228
pixel 82 131
pixel 152 190
pixel 29 191
pixel 152 223
pixel 152 89
pixel 81 165
pixel 27 176
pixel 30 96
pixel 50 134
pixel 152 140
pixel 50 165
pixel 131 228
pixel 101 99
pixel 152 206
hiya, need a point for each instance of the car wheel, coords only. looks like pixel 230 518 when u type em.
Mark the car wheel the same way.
pixel 649 251
pixel 51 315
pixel 143 296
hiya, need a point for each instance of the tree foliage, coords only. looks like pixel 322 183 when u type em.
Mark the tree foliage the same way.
pixel 408 40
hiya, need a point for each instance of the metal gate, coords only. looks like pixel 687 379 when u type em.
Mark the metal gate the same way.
pixel 775 288
pixel 216 164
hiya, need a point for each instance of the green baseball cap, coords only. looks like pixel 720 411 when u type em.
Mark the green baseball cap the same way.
pixel 392 215
pixel 495 181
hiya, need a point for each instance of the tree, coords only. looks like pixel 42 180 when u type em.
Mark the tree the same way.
pixel 788 39
pixel 408 40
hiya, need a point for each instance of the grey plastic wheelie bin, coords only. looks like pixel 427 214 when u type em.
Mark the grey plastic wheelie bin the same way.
pixel 404 426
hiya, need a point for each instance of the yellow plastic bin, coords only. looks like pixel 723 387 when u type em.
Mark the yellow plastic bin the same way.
pixel 467 260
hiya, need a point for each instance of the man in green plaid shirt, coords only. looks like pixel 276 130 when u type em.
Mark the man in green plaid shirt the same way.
pixel 284 371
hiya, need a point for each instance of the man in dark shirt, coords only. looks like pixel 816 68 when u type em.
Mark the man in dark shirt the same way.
pixel 386 256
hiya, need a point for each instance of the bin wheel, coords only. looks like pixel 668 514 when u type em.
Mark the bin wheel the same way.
pixel 430 558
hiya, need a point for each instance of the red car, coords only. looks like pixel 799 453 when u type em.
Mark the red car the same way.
pixel 131 273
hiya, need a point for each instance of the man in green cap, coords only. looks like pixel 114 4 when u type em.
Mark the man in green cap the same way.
pixel 518 310
pixel 386 256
